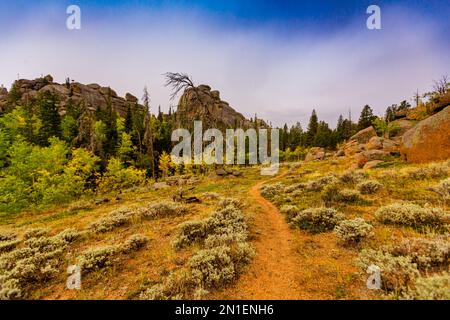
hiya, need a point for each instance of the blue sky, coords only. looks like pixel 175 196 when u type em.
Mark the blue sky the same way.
pixel 277 58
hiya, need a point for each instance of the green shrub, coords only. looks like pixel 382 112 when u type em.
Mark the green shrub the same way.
pixel 431 171
pixel 408 214
pixel 317 220
pixel 35 233
pixel 7 236
pixel 349 195
pixel 353 231
pixel 115 219
pixel 231 202
pixel 177 286
pixel 134 243
pixel 443 188
pixel 289 211
pixel 190 232
pixel 37 261
pixel 435 287
pixel 212 267
pixel 426 253
pixel 6 246
pixel 295 187
pixel 397 273
pixel 165 209
pixel 96 258
pixel 117 177
pixel 369 187
pixel 351 177
pixel 270 190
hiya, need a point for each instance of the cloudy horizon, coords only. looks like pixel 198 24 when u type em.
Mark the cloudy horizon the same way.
pixel 279 66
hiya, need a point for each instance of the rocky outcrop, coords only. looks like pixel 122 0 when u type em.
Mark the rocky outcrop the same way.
pixel 429 140
pixel 366 150
pixel 200 103
pixel 91 96
pixel 364 135
pixel 315 153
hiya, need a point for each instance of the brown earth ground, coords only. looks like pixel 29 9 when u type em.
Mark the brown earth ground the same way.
pixel 292 264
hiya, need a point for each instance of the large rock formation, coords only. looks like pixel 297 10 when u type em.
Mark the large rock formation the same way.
pixel 92 96
pixel 200 103
pixel 429 140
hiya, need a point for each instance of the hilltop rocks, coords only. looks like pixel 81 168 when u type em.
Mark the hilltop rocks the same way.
pixel 200 103
pixel 364 135
pixel 367 150
pixel 315 154
pixel 429 140
pixel 92 96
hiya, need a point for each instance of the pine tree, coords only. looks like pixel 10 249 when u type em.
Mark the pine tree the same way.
pixel 128 120
pixel 366 118
pixel 312 128
pixel 49 116
pixel 148 133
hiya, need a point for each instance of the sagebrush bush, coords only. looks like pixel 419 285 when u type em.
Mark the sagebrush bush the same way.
pixel 443 188
pixel 295 187
pixel 231 202
pixel 6 246
pixel 270 190
pixel 317 220
pixel 369 187
pixel 408 214
pixel 35 233
pixel 426 253
pixel 115 219
pixel 210 196
pixel 351 177
pixel 227 221
pixel 397 273
pixel 431 171
pixel 289 211
pixel 96 258
pixel 177 286
pixel 435 287
pixel 190 232
pixel 165 209
pixel 134 243
pixel 349 195
pixel 37 261
pixel 7 236
pixel 212 267
pixel 353 231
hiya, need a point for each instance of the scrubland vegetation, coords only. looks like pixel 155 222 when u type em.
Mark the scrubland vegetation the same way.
pixel 395 217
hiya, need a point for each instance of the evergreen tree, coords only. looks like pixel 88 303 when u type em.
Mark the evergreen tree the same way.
pixel 49 115
pixel 148 133
pixel 128 120
pixel 366 118
pixel 312 128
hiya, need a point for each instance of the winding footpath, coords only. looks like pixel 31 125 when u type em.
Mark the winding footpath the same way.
pixel 273 274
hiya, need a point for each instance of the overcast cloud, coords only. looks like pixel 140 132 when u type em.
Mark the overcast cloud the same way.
pixel 280 76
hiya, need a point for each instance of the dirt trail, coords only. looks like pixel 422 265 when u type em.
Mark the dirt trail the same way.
pixel 273 274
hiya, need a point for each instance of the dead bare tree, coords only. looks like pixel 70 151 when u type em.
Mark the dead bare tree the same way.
pixel 441 86
pixel 178 81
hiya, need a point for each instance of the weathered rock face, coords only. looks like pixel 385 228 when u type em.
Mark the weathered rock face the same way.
pixel 364 135
pixel 92 96
pixel 402 126
pixel 315 154
pixel 378 143
pixel 201 103
pixel 429 140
